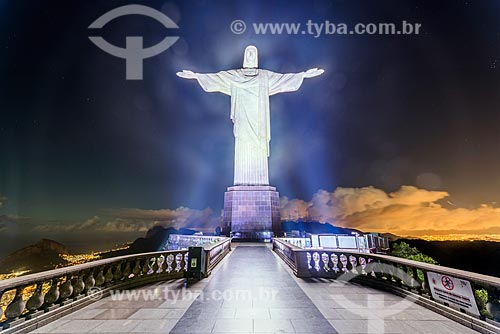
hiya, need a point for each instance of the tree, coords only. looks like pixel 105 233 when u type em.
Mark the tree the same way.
pixel 404 250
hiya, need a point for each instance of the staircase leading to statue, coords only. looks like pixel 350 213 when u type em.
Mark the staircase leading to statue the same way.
pixel 250 289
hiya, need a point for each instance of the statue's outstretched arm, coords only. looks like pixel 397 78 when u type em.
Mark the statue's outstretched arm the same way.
pixel 313 72
pixel 210 82
pixel 186 74
pixel 289 82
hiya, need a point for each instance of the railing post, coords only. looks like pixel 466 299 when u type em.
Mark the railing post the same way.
pixel 427 286
pixel 301 265
pixel 414 272
pixel 207 261
pixel 1 310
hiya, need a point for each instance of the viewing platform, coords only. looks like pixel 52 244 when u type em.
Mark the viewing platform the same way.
pixel 251 289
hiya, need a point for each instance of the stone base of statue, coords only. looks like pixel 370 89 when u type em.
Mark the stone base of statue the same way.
pixel 251 212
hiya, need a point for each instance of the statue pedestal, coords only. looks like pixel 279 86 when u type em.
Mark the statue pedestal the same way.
pixel 251 212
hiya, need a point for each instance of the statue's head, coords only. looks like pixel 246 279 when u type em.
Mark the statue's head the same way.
pixel 251 58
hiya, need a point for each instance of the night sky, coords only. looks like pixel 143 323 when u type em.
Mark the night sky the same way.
pixel 82 150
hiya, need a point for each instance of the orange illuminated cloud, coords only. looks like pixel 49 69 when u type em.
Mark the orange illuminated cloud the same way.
pixel 410 211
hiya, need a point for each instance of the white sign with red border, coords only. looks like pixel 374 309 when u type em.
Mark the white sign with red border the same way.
pixel 455 292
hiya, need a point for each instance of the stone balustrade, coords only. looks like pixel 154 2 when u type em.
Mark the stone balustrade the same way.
pixel 180 241
pixel 36 295
pixel 388 271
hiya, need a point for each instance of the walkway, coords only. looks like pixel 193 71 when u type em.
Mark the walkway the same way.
pixel 253 291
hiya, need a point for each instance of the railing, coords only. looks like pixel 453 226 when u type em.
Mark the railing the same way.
pixel 180 241
pixel 395 272
pixel 215 253
pixel 31 297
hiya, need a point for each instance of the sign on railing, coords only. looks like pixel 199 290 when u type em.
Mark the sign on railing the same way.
pixel 453 292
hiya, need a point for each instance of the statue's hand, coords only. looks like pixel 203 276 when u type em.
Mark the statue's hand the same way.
pixel 313 72
pixel 186 74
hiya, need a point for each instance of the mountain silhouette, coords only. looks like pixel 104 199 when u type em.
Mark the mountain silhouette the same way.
pixel 44 255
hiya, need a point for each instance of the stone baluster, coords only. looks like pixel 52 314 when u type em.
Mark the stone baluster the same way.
pixel 78 285
pixel 16 307
pixel 178 261
pixel 36 300
pixel 89 281
pixel 343 261
pixel 164 264
pixel 413 282
pixel 100 279
pixel 1 310
pixel 377 269
pixel 399 275
pixel 108 277
pixel 53 294
pixel 362 263
pixel 315 257
pixel 414 273
pixel 146 267
pixel 389 271
pixel 372 264
pixel 159 261
pixel 170 261
pixel 186 256
pixel 354 263
pixel 155 266
pixel 137 268
pixel 118 272
pixel 335 262
pixel 127 271
pixel 325 259
pixel 66 288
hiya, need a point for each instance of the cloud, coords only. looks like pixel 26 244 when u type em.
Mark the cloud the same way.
pixel 89 224
pixel 407 211
pixel 137 220
pixel 181 217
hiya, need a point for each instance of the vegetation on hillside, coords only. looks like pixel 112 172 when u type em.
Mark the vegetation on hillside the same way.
pixel 404 250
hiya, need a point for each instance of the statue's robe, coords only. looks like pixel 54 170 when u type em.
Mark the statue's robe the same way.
pixel 250 115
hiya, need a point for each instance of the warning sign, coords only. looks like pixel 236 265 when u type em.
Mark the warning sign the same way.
pixel 455 292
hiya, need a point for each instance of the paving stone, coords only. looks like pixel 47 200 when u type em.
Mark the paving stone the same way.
pixel 273 325
pixel 148 313
pixel 233 326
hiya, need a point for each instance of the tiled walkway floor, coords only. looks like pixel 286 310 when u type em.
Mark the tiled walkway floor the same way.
pixel 253 291
pixel 258 296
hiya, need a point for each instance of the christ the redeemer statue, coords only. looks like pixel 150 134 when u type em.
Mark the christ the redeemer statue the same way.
pixel 250 88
